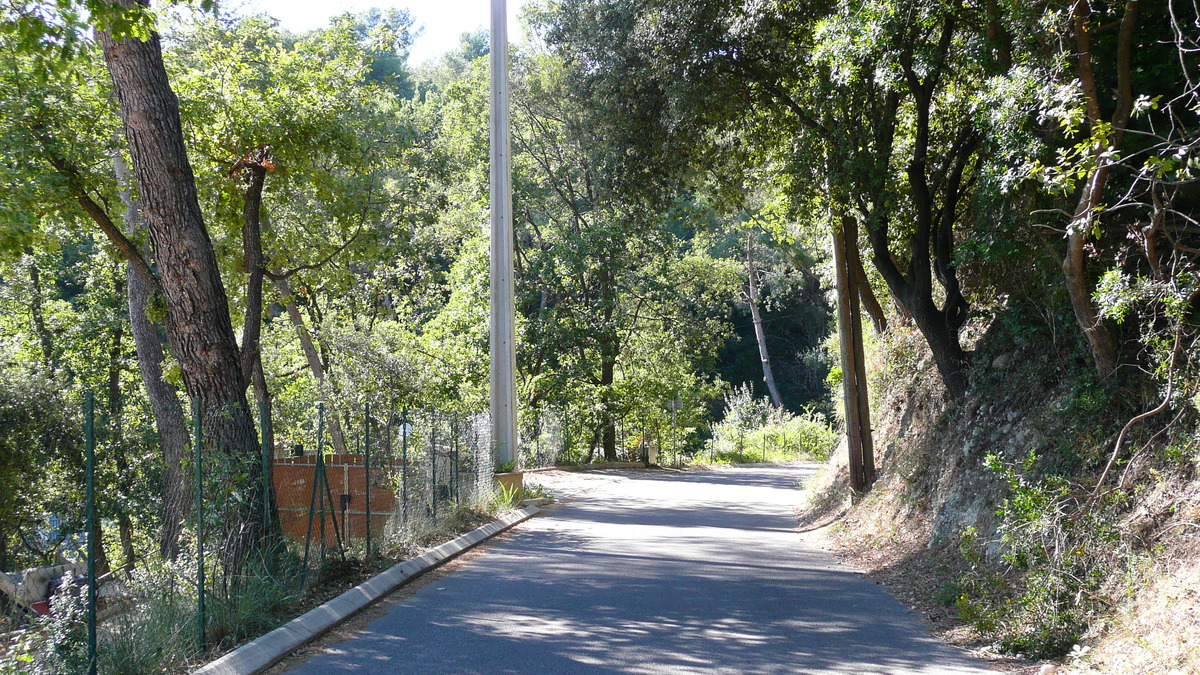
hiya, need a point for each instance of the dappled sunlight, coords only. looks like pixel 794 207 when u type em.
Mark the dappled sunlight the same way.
pixel 666 573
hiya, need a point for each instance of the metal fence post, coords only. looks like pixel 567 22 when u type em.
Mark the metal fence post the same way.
pixel 367 471
pixel 200 620
pixel 319 481
pixel 404 424
pixel 328 508
pixel 312 501
pixel 433 464
pixel 456 429
pixel 266 467
pixel 90 452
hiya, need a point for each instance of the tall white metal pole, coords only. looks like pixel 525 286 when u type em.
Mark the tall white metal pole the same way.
pixel 503 367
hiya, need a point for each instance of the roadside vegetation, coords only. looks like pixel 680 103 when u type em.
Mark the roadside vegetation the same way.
pixel 961 238
pixel 154 629
pixel 753 430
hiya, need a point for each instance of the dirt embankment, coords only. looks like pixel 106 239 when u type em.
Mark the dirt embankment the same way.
pixel 946 468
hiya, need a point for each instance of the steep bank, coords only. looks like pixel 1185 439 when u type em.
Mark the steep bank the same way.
pixel 981 517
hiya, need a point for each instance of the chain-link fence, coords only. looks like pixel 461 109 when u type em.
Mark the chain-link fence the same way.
pixel 314 513
pixel 230 544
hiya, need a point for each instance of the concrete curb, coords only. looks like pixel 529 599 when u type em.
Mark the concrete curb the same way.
pixel 262 653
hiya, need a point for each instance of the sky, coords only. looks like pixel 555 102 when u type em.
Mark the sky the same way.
pixel 442 21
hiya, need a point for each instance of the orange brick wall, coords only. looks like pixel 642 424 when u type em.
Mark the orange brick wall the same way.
pixel 294 476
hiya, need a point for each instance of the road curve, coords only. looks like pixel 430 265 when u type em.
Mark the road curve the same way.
pixel 700 572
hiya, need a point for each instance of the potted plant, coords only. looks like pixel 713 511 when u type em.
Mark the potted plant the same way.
pixel 509 479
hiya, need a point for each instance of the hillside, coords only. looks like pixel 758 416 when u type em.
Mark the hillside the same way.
pixel 980 516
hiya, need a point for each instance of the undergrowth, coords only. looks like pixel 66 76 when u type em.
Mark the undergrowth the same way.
pixel 1057 554
pixel 154 627
pixel 753 430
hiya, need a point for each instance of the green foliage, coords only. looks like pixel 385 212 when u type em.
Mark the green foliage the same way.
pixel 505 497
pixel 52 645
pixel 1055 559
pixel 652 140
pixel 754 431
pixel 39 432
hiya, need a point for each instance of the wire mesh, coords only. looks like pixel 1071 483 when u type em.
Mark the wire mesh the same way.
pixel 425 466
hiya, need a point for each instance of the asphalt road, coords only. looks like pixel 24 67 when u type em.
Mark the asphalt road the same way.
pixel 659 573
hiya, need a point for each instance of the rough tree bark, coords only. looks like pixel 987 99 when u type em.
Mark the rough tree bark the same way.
pixel 198 324
pixel 1100 338
pixel 759 335
pixel 164 398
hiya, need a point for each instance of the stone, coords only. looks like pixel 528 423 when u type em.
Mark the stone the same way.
pixel 1003 361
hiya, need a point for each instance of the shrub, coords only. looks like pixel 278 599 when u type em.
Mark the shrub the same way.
pixel 1056 557
pixel 753 430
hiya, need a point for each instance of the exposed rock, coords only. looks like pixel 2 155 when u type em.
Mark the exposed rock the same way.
pixel 1003 361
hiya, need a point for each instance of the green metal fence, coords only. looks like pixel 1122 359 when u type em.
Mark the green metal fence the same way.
pixel 404 474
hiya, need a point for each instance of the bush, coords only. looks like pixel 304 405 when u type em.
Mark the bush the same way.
pixel 753 431
pixel 1056 557
pixel 51 645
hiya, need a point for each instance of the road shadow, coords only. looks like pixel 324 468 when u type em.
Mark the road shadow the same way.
pixel 658 574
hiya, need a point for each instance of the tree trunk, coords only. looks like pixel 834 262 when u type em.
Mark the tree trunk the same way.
pixel 949 357
pixel 38 315
pixel 198 324
pixel 255 168
pixel 116 410
pixel 756 317
pixel 1100 338
pixel 97 532
pixel 865 294
pixel 164 398
pixel 314 361
pixel 608 425
pixel 935 192
pixel 253 261
pixel 610 350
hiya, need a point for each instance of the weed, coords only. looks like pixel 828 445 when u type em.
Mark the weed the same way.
pixel 505 497
pixel 536 490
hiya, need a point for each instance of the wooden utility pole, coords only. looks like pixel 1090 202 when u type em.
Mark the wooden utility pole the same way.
pixel 854 379
pixel 503 330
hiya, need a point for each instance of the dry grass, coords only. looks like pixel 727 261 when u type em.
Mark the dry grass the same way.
pixel 932 484
pixel 1156 628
